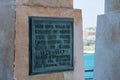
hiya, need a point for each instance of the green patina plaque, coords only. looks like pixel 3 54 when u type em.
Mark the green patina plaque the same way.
pixel 50 45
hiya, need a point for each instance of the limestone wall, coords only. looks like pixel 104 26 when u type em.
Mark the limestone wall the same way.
pixel 7 30
pixel 47 3
pixel 112 6
pixel 107 52
pixel 14 62
pixel 21 42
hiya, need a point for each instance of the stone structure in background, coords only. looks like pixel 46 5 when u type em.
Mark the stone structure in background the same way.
pixel 16 46
pixel 89 39
pixel 112 6
pixel 7 33
pixel 107 64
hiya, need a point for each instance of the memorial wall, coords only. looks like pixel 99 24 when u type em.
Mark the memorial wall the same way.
pixel 44 41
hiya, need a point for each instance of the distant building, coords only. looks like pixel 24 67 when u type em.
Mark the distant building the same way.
pixel 89 38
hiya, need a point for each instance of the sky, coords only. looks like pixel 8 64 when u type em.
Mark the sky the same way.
pixel 90 10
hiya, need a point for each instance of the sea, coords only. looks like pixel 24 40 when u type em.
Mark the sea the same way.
pixel 89 65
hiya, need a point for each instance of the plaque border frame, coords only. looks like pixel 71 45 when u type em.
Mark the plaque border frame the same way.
pixel 30 42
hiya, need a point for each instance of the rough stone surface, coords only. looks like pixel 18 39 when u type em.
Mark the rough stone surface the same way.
pixel 107 57
pixel 21 42
pixel 7 25
pixel 47 3
pixel 112 6
pixel 7 1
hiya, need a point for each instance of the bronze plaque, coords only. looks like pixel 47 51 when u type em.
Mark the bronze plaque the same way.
pixel 50 45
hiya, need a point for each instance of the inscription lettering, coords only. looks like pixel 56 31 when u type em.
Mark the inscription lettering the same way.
pixel 51 44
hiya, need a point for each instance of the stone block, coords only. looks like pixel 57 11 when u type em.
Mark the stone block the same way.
pixel 112 6
pixel 47 3
pixel 7 2
pixel 107 53
pixel 7 25
pixel 21 69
